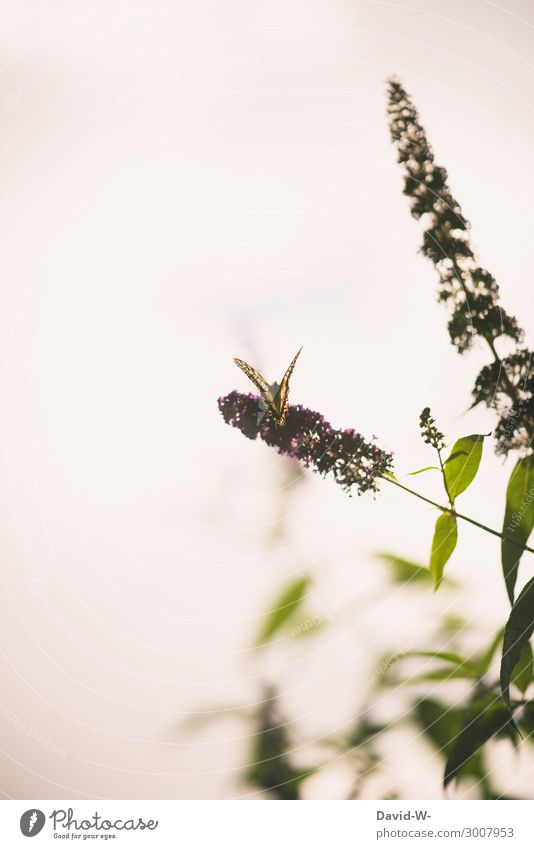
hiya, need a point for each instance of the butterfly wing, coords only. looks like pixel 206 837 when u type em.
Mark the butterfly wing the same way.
pixel 283 392
pixel 256 378
pixel 274 396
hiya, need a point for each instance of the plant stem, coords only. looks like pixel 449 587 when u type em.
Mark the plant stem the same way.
pixel 459 515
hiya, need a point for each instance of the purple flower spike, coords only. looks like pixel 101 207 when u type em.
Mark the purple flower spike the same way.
pixel 307 437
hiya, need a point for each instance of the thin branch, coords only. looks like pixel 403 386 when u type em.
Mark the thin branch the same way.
pixel 459 515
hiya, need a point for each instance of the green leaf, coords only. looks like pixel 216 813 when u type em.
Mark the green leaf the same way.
pixel 443 544
pixel 283 607
pixel 425 469
pixel 305 624
pixel 462 465
pixel 518 519
pixel 270 766
pixel 441 724
pixel 450 624
pixel 484 718
pixel 404 571
pixel 363 732
pixel 446 673
pixel 449 656
pixel 483 663
pixel 523 671
pixel 438 722
pixel 526 720
pixel 517 632
pixel 459 667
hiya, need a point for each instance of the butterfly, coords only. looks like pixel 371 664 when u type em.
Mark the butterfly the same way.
pixel 273 396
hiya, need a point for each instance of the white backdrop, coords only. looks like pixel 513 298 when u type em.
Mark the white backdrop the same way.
pixel 182 183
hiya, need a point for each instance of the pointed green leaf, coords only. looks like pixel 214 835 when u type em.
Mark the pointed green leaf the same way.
pixel 462 465
pixel 443 544
pixel 518 519
pixel 425 469
pixel 523 671
pixel 283 607
pixel 484 718
pixel 517 632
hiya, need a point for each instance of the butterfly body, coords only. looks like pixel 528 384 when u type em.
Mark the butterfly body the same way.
pixel 273 396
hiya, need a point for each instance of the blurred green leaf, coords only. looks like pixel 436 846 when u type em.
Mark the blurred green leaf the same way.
pixel 450 625
pixel 425 469
pixel 462 464
pixel 405 571
pixel 526 720
pixel 518 519
pixel 517 632
pixel 271 768
pixel 459 667
pixel 283 607
pixel 523 671
pixel 484 661
pixel 441 725
pixel 438 722
pixel 485 717
pixel 363 733
pixel 443 544
pixel 446 673
pixel 305 624
pixel 449 656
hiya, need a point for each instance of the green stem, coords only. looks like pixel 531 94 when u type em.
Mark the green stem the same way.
pixel 459 515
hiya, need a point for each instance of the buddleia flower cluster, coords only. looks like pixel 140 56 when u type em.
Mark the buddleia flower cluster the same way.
pixel 355 464
pixel 431 435
pixel 508 385
pixel 469 291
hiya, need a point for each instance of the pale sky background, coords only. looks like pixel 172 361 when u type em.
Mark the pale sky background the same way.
pixel 181 183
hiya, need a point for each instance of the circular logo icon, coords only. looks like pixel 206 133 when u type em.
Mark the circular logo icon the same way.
pixel 32 822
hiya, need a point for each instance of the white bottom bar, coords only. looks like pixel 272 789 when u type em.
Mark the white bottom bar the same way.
pixel 268 824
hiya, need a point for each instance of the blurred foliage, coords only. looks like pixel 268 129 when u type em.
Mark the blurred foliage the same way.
pixel 283 608
pixel 271 767
pixel 402 571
